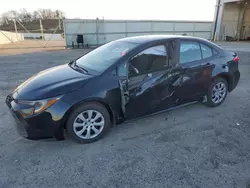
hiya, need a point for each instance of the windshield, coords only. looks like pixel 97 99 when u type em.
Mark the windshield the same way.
pixel 106 55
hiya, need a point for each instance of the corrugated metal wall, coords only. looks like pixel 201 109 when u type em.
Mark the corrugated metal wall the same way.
pixel 230 19
pixel 97 32
pixel 246 29
pixel 236 20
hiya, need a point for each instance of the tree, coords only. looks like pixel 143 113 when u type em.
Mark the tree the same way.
pixel 25 16
pixel 35 15
pixel 8 16
pixel 45 13
pixel 59 14
pixel 4 18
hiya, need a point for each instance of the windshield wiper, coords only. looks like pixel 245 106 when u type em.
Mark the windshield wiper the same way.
pixel 80 68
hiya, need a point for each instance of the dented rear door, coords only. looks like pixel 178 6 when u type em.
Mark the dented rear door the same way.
pixel 190 78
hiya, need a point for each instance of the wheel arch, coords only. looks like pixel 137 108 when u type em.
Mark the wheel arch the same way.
pixel 91 100
pixel 227 77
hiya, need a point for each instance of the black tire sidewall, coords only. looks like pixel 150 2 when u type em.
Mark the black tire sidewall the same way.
pixel 88 106
pixel 209 95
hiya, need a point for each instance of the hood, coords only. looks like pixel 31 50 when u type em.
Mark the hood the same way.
pixel 51 82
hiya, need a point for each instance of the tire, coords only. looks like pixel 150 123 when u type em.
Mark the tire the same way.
pixel 80 123
pixel 215 85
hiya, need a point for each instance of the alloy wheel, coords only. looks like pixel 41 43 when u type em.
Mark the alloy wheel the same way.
pixel 88 124
pixel 219 92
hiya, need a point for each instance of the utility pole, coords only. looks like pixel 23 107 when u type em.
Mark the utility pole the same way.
pixel 41 27
pixel 97 31
pixel 216 20
pixel 15 29
pixel 59 23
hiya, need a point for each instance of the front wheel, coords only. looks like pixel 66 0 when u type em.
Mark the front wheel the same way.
pixel 88 123
pixel 217 92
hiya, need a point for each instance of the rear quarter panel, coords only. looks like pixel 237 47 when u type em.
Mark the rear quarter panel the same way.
pixel 220 66
pixel 227 68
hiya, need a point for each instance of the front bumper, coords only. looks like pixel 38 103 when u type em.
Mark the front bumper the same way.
pixel 43 125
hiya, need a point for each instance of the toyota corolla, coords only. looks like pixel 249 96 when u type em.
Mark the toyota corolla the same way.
pixel 122 80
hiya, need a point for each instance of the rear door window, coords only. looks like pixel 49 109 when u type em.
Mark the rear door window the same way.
pixel 189 52
pixel 206 51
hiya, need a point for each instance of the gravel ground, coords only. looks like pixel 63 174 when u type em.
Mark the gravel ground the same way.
pixel 31 46
pixel 195 146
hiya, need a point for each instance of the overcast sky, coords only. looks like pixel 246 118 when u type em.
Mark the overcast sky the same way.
pixel 122 9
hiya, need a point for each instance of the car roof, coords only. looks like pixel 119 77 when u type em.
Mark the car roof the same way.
pixel 151 38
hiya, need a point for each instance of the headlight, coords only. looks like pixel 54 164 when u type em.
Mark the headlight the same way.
pixel 39 105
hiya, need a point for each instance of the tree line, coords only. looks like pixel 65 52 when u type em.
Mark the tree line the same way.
pixel 24 16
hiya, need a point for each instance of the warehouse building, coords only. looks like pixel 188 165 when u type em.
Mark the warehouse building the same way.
pixel 99 31
pixel 232 20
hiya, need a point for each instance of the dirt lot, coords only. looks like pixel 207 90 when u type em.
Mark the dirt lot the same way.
pixel 31 46
pixel 191 147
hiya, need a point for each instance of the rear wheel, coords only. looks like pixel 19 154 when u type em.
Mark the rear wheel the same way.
pixel 217 92
pixel 88 123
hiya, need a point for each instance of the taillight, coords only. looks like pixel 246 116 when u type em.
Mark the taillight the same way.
pixel 236 59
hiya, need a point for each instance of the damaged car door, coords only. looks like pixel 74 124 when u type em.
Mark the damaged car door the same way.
pixel 163 76
pixel 146 86
pixel 191 77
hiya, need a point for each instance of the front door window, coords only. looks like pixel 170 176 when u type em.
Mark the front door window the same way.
pixel 149 60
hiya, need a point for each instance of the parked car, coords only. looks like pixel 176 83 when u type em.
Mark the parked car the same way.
pixel 122 80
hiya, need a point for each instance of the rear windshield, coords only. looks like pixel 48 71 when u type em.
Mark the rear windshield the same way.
pixel 106 55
